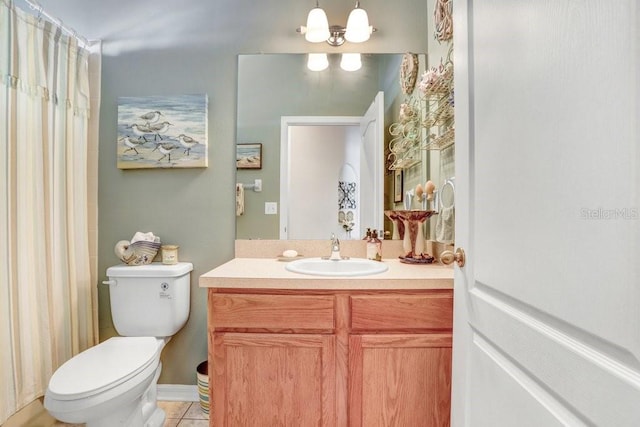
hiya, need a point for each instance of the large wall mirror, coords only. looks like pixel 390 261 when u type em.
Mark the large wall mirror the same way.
pixel 273 88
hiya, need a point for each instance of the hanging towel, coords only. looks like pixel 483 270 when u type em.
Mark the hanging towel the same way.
pixel 239 199
pixel 444 225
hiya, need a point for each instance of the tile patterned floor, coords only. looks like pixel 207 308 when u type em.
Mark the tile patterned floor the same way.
pixel 179 414
pixel 184 414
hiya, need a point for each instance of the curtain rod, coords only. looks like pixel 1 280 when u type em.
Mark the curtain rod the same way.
pixel 33 5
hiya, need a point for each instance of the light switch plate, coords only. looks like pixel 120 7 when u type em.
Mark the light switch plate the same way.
pixel 270 208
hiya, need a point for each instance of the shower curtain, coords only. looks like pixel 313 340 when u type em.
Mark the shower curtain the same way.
pixel 47 293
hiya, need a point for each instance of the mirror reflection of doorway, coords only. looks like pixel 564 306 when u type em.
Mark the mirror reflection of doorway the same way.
pixel 317 154
pixel 313 152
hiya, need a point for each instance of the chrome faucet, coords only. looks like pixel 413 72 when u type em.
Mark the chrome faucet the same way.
pixel 335 248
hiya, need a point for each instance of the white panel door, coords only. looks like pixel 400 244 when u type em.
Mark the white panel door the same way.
pixel 372 166
pixel 547 307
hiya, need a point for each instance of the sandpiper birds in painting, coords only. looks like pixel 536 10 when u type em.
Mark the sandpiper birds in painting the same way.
pixel 151 117
pixel 141 130
pixel 165 148
pixel 132 144
pixel 162 131
pixel 187 142
pixel 159 129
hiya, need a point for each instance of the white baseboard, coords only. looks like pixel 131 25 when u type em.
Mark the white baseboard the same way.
pixel 178 393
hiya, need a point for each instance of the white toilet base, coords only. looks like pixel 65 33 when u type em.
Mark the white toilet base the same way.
pixel 143 412
pixel 129 415
pixel 152 415
pixel 157 418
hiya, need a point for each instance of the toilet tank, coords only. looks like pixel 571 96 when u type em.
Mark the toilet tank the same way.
pixel 150 300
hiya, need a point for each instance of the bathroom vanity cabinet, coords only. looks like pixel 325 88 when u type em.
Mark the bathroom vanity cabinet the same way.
pixel 274 359
pixel 400 359
pixel 329 352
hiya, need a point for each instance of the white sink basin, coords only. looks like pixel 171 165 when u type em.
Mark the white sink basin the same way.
pixel 343 267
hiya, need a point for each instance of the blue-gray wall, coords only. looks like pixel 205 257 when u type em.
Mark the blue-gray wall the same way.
pixel 194 208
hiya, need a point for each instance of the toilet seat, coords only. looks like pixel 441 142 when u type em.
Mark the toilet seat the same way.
pixel 103 367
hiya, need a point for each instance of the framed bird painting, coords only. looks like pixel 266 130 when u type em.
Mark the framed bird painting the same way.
pixel 249 156
pixel 162 132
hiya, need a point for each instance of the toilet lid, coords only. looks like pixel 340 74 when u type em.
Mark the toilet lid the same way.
pixel 103 366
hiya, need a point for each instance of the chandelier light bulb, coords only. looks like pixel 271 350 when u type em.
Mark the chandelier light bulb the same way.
pixel 317 61
pixel 351 61
pixel 318 29
pixel 317 26
pixel 358 28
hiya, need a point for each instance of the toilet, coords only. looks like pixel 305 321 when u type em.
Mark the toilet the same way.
pixel 114 383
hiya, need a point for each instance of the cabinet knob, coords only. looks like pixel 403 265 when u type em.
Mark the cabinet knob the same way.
pixel 447 257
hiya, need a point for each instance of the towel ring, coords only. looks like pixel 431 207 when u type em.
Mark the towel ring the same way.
pixel 447 194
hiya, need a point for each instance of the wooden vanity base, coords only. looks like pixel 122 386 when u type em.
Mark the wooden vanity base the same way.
pixel 329 358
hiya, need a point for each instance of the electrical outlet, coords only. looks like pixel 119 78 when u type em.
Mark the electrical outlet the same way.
pixel 271 208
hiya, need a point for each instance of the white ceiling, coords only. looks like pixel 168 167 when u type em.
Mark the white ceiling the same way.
pixel 238 25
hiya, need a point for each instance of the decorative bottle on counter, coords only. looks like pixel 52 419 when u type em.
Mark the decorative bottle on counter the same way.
pixel 374 247
pixel 371 245
pixel 378 245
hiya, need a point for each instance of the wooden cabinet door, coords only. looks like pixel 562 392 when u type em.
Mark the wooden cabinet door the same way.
pixel 273 380
pixel 399 380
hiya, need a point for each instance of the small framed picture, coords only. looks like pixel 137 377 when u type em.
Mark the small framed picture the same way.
pixel 249 156
pixel 398 184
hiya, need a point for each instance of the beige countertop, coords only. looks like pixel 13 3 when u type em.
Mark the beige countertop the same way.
pixel 270 273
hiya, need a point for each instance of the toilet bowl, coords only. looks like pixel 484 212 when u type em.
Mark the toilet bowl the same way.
pixel 111 384
pixel 114 383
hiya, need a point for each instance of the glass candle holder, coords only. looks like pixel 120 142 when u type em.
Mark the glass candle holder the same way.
pixel 170 254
